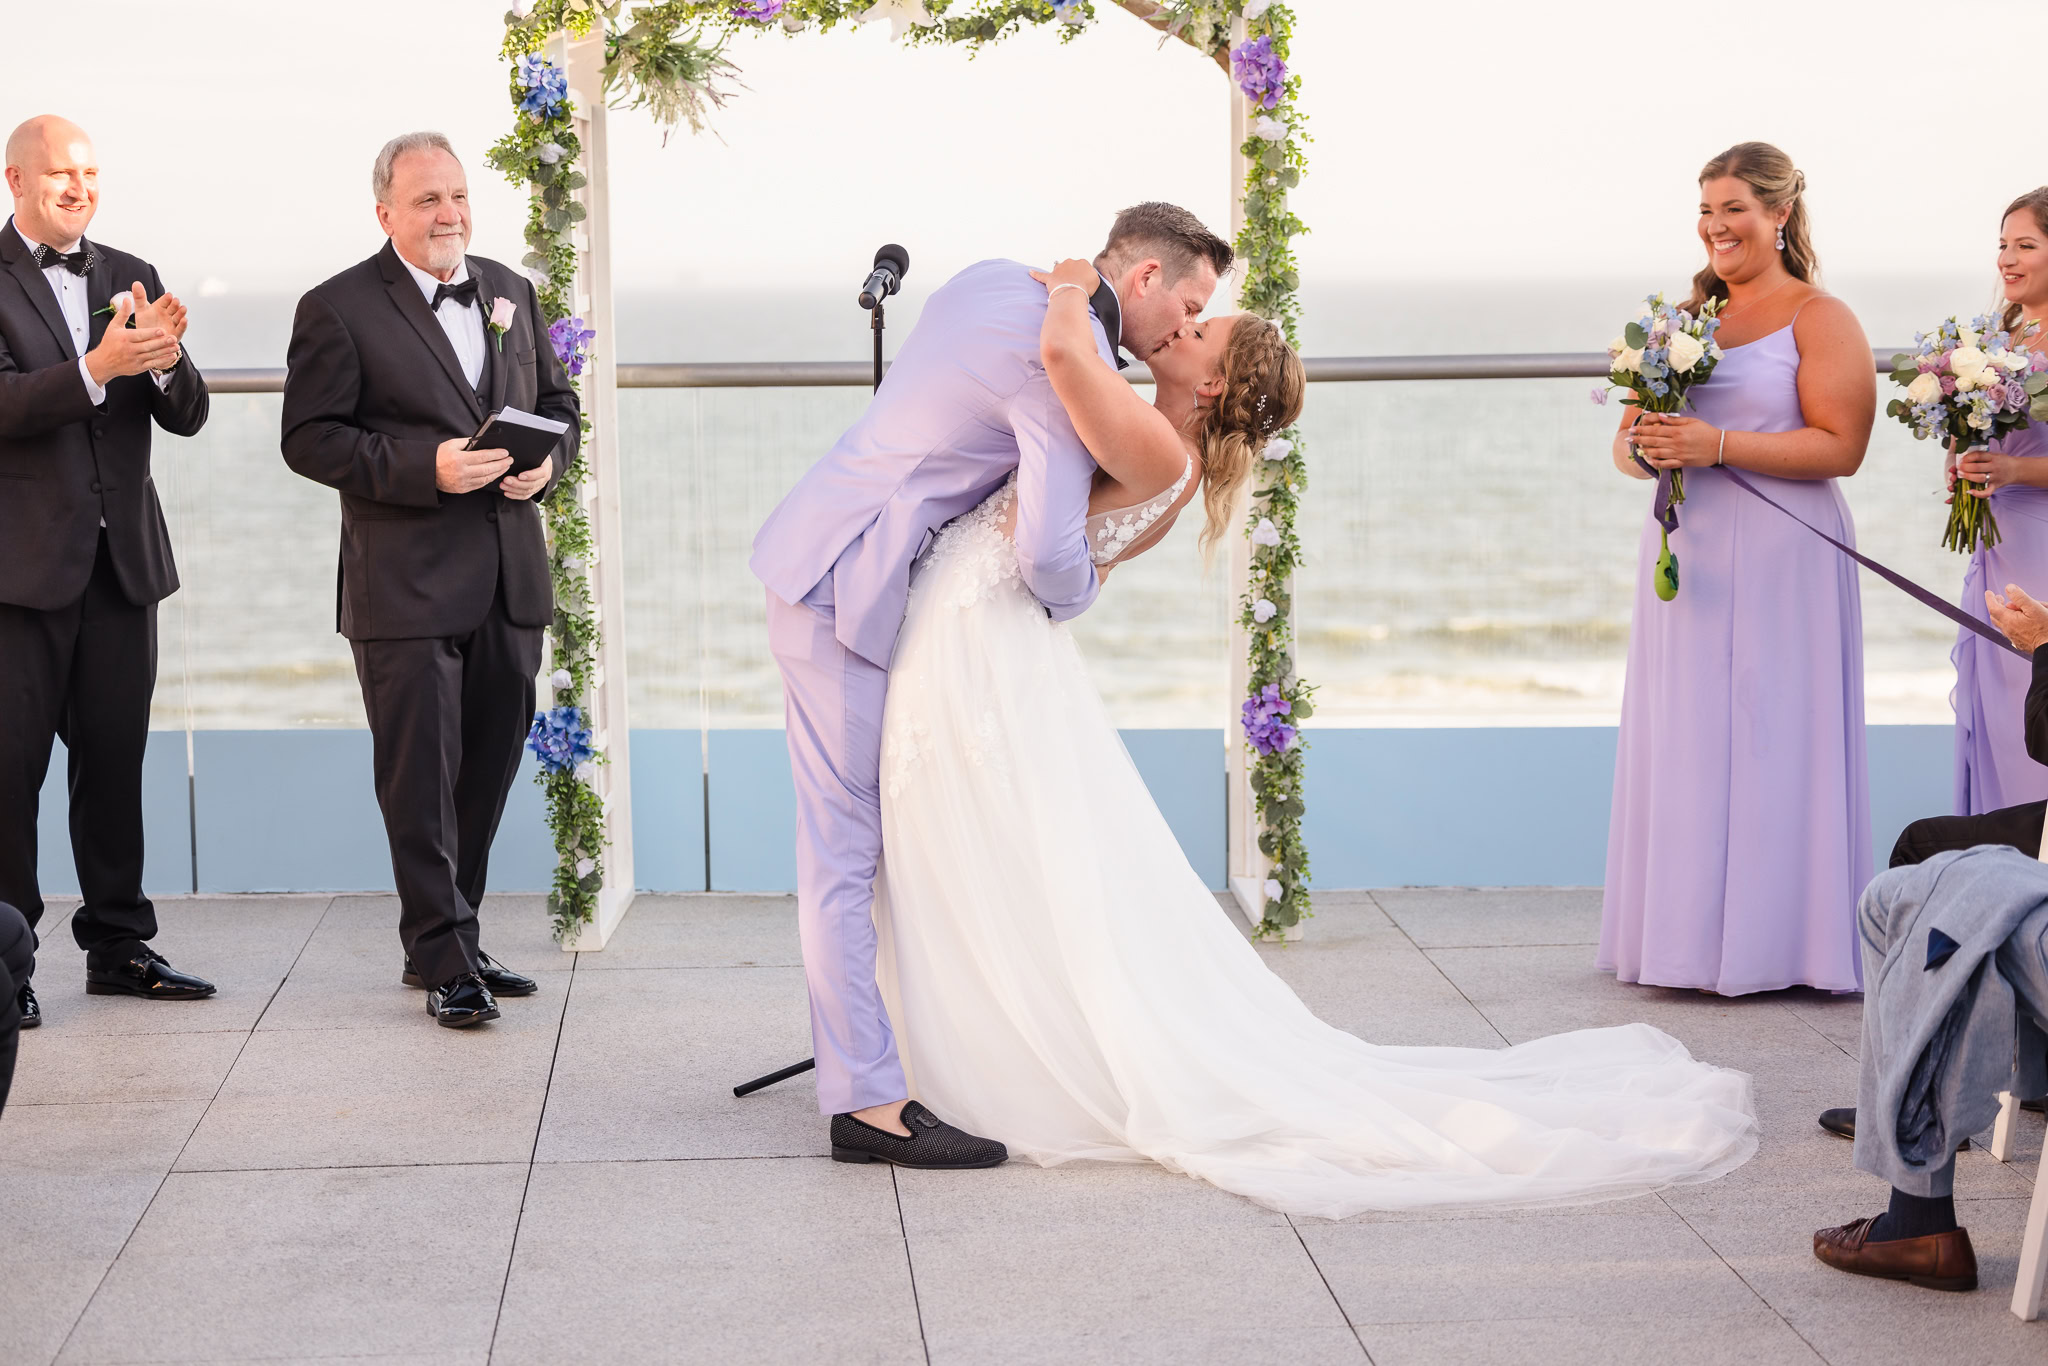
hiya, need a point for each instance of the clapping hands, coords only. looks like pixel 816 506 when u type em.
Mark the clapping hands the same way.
pixel 152 344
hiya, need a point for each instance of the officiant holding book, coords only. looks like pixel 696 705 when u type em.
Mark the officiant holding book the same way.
pixel 395 365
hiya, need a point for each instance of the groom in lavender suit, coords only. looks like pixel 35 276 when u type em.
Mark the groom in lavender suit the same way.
pixel 966 403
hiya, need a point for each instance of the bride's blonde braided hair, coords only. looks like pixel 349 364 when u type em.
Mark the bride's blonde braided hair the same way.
pixel 1264 386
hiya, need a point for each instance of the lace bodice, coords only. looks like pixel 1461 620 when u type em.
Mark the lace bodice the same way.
pixel 1111 533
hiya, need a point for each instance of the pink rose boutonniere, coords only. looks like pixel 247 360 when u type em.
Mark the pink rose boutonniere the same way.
pixel 502 310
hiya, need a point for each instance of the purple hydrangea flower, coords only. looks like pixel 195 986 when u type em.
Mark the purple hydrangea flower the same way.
pixel 1263 728
pixel 760 11
pixel 546 86
pixel 560 739
pixel 1261 75
pixel 571 340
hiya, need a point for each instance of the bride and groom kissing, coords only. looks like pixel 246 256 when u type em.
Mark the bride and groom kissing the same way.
pixel 998 926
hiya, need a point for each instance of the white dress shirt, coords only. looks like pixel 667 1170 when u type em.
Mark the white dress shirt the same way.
pixel 464 326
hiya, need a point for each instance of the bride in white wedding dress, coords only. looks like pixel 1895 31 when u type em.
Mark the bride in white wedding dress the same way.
pixel 1058 976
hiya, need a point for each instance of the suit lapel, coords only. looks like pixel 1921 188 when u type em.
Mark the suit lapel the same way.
pixel 494 345
pixel 22 266
pixel 405 294
pixel 99 290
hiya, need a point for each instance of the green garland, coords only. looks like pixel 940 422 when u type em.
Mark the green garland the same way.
pixel 669 58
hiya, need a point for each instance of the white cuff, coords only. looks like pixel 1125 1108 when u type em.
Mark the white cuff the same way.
pixel 96 392
pixel 162 378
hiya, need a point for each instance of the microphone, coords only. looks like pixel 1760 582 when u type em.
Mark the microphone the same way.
pixel 892 263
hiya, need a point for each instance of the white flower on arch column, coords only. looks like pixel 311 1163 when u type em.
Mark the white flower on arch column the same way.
pixel 903 15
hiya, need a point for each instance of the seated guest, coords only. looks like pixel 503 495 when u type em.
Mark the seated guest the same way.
pixel 2025 623
pixel 1955 962
pixel 17 954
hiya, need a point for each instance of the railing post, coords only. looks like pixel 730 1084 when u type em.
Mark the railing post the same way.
pixel 584 61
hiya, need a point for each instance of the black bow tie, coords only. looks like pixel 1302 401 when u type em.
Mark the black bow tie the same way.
pixel 1111 314
pixel 77 262
pixel 464 294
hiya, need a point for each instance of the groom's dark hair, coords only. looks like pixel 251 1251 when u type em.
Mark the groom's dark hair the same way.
pixel 1168 232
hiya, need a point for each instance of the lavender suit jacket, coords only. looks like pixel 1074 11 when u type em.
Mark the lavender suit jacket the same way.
pixel 966 402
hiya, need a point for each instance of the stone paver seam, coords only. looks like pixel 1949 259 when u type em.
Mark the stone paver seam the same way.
pixel 1364 1350
pixel 1761 1298
pixel 910 1266
pixel 1810 1025
pixel 526 1189
pixel 1435 967
pixel 172 1166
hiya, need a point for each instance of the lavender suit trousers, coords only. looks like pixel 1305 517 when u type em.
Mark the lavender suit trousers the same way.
pixel 834 700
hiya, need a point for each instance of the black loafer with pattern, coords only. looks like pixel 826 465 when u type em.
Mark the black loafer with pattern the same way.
pixel 933 1145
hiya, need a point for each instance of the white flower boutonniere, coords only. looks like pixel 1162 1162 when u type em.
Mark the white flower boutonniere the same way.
pixel 502 310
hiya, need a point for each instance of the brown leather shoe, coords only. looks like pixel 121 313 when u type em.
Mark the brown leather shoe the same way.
pixel 1939 1261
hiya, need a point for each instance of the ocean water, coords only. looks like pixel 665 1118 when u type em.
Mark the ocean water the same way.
pixel 1470 550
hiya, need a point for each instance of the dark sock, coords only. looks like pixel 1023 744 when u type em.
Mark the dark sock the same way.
pixel 1913 1216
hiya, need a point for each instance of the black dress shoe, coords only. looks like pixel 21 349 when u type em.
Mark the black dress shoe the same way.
pixel 500 979
pixel 1842 1124
pixel 144 973
pixel 933 1145
pixel 31 1009
pixel 462 1003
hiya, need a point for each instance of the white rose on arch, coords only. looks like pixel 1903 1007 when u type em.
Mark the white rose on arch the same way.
pixel 1279 448
pixel 1264 611
pixel 903 16
pixel 1274 891
pixel 1265 533
pixel 1269 128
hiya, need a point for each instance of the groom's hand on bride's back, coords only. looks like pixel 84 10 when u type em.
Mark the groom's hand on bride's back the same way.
pixel 457 469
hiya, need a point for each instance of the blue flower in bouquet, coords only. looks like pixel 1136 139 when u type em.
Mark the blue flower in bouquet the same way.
pixel 760 11
pixel 1261 75
pixel 571 340
pixel 546 86
pixel 560 739
pixel 1263 728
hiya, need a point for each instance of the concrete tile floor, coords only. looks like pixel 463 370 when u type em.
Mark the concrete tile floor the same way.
pixel 306 1169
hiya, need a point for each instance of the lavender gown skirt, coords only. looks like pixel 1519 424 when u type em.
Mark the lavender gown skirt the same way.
pixel 1992 767
pixel 1740 834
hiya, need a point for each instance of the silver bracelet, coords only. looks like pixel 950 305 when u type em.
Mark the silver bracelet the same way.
pixel 1721 450
pixel 1057 288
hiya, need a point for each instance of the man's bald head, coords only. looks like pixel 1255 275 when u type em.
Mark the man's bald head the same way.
pixel 54 176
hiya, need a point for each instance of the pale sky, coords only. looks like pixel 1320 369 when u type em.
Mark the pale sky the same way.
pixel 1478 141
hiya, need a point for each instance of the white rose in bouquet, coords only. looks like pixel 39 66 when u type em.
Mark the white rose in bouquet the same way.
pixel 1685 352
pixel 1617 346
pixel 2015 361
pixel 1965 336
pixel 1966 363
pixel 1925 389
pixel 1629 359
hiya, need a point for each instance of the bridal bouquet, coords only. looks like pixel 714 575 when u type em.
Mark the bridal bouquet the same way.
pixel 1658 359
pixel 1971 384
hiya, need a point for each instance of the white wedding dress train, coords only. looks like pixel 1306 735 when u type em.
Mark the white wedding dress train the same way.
pixel 1060 979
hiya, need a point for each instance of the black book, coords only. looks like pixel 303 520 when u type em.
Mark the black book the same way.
pixel 527 437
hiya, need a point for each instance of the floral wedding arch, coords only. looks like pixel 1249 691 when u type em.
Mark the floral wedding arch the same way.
pixel 667 56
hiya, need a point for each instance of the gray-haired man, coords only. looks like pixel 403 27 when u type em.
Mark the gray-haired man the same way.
pixel 444 576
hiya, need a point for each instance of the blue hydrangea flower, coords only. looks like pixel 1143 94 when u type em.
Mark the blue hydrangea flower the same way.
pixel 560 739
pixel 546 86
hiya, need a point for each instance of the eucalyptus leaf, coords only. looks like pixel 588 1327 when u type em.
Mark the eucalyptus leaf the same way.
pixel 1634 335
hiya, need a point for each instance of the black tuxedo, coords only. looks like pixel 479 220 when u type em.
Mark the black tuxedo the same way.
pixel 2019 826
pixel 443 597
pixel 78 598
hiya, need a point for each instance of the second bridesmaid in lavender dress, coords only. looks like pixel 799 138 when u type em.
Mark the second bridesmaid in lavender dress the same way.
pixel 1740 834
pixel 1992 767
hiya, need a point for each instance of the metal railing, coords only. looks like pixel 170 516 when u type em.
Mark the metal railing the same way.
pixel 832 374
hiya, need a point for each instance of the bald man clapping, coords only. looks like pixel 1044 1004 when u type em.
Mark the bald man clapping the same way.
pixel 91 355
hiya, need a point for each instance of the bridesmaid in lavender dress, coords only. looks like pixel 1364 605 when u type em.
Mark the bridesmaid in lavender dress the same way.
pixel 1992 767
pixel 1740 834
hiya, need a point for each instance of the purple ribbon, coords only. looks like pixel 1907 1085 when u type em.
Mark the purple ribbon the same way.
pixel 1890 576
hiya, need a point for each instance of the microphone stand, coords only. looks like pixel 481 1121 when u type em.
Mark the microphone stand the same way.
pixel 797 1069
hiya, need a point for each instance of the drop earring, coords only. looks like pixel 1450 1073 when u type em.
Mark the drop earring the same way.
pixel 1781 237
